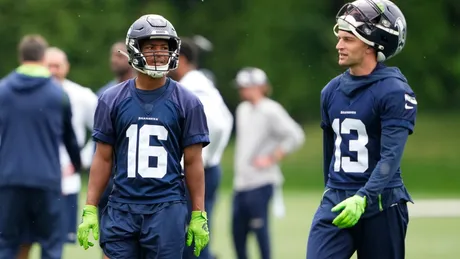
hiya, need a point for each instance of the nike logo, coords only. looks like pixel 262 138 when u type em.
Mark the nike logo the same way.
pixel 411 100
pixel 408 107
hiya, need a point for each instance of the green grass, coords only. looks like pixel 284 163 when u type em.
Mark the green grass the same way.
pixel 428 238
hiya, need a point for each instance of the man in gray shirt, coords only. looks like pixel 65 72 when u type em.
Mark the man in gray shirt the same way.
pixel 265 133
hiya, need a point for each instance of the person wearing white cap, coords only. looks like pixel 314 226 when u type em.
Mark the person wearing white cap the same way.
pixel 265 134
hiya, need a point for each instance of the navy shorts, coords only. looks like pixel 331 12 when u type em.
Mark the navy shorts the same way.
pixel 157 234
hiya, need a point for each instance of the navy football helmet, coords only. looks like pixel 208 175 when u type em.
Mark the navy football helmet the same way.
pixel 378 23
pixel 152 26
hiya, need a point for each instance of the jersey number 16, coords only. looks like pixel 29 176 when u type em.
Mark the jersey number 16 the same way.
pixel 139 154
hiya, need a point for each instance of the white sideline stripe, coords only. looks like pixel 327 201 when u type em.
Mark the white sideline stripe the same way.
pixel 435 208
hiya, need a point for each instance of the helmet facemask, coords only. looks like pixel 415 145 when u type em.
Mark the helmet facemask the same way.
pixel 155 63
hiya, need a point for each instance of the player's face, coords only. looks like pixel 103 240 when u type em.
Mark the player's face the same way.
pixel 119 62
pixel 351 49
pixel 57 65
pixel 156 52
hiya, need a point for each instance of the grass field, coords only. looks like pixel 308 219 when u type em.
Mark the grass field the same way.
pixel 430 170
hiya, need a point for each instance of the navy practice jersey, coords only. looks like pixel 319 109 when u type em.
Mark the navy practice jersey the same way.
pixel 355 111
pixel 149 131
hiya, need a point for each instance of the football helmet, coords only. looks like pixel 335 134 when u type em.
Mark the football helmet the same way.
pixel 152 26
pixel 378 23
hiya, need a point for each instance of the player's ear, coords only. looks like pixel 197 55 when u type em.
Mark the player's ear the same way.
pixel 368 50
pixel 371 50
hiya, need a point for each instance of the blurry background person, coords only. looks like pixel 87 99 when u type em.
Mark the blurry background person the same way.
pixel 265 134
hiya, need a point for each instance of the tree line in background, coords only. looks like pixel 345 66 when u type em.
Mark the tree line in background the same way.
pixel 291 40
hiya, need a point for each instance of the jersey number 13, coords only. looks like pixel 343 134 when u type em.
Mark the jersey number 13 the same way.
pixel 357 145
pixel 139 154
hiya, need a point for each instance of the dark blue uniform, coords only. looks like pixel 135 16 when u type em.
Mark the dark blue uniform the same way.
pixel 35 117
pixel 366 122
pixel 146 212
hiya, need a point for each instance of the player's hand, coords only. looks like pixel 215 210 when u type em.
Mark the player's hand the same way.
pixel 352 209
pixel 89 222
pixel 198 231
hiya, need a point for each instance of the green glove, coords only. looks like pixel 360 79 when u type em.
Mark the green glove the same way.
pixel 352 209
pixel 198 231
pixel 89 222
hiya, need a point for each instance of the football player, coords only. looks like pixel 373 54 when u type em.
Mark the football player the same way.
pixel 148 123
pixel 368 112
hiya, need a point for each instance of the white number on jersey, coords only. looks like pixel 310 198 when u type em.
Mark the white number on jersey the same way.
pixel 356 145
pixel 143 151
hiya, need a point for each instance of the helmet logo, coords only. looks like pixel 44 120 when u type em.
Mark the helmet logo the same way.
pixel 131 42
pixel 401 34
pixel 386 23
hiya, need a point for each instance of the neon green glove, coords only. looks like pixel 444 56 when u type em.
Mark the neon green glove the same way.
pixel 89 222
pixel 352 209
pixel 198 231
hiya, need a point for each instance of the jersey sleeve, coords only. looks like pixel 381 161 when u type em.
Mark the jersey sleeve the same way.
pixel 399 109
pixel 324 117
pixel 393 141
pixel 103 127
pixel 328 138
pixel 195 127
